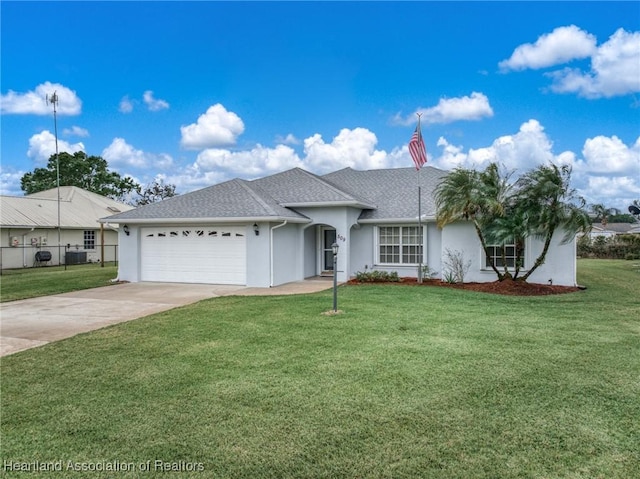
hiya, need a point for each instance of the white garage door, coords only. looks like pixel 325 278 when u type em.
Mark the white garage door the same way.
pixel 201 254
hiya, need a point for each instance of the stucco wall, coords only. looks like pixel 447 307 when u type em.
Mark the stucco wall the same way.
pixel 310 251
pixel 364 256
pixel 342 219
pixel 559 266
pixel 129 263
pixel 258 256
pixel 286 254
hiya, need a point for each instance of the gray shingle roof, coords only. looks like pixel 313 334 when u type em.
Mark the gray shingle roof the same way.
pixel 382 194
pixel 394 191
pixel 230 200
pixel 297 187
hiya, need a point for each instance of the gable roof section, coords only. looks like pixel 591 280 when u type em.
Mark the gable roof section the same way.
pixel 394 191
pixel 297 187
pixel 382 195
pixel 234 200
pixel 78 209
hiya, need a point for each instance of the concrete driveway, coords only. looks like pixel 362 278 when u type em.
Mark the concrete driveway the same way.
pixel 33 322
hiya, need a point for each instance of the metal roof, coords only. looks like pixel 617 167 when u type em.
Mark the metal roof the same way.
pixel 78 209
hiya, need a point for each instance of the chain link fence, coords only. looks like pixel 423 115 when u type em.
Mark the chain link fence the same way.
pixel 19 257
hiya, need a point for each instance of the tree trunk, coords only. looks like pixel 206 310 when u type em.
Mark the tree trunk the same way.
pixel 540 259
pixel 486 252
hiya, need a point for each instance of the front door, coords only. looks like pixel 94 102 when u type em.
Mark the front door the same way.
pixel 326 259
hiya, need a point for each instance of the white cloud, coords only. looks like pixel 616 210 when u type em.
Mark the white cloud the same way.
pixel 609 156
pixel 617 192
pixel 608 173
pixel 350 148
pixel 120 153
pixel 615 70
pixel 126 105
pixel 560 46
pixel 525 149
pixel 290 139
pixel 42 145
pixel 10 182
pixel 35 102
pixel 152 103
pixel 473 107
pixel 258 161
pixel 452 156
pixel 215 128
pixel 76 131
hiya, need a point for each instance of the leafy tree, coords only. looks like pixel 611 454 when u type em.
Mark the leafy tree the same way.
pixel 88 172
pixel 622 218
pixel 154 192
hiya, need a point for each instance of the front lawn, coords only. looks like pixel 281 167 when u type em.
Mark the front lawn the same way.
pixel 34 282
pixel 409 382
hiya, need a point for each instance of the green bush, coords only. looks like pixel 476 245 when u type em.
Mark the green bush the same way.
pixel 376 276
pixel 616 247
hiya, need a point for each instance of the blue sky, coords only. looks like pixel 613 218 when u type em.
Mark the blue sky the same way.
pixel 195 93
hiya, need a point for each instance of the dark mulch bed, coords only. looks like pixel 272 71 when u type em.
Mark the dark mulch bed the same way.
pixel 507 287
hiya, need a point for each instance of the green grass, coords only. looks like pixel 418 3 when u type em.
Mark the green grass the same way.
pixel 34 282
pixel 408 382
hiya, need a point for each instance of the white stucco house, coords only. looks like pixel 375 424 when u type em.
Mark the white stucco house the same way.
pixel 280 229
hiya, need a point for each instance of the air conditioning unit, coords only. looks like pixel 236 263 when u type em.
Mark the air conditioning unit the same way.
pixel 43 241
pixel 15 242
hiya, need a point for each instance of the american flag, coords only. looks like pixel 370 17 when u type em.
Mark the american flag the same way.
pixel 417 149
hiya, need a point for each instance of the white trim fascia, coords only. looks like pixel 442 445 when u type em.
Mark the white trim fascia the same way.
pixel 398 221
pixel 196 221
pixel 322 204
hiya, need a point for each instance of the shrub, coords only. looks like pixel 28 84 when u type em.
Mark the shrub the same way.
pixel 376 276
pixel 455 266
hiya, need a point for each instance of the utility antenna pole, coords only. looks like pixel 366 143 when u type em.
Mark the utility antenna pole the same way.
pixel 53 100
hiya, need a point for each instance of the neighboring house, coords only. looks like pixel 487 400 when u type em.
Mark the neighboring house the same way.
pixel 29 224
pixel 612 229
pixel 280 228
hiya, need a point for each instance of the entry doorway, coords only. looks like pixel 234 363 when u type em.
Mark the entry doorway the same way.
pixel 327 238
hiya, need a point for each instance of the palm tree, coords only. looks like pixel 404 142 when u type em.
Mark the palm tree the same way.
pixel 551 205
pixel 602 213
pixel 474 196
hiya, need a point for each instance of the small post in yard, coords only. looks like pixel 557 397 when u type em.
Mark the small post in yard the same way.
pixel 335 247
pixel 102 245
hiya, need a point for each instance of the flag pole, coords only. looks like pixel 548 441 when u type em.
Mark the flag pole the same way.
pixel 418 154
pixel 420 256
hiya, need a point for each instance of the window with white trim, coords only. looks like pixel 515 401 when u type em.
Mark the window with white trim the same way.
pixel 399 244
pixel 504 254
pixel 89 239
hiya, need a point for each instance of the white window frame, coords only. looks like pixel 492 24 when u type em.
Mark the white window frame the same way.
pixel 512 244
pixel 400 245
pixel 86 240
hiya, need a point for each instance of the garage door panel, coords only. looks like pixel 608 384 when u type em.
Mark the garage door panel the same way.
pixel 194 255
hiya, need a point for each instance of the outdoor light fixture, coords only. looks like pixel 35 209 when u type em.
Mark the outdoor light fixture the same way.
pixel 334 248
pixel 256 228
pixel 125 228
